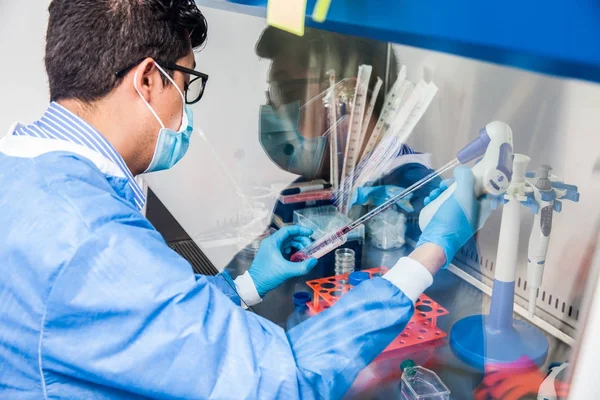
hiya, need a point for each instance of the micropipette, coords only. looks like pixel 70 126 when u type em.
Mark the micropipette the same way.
pixel 547 193
pixel 540 233
pixel 492 174
pixel 473 150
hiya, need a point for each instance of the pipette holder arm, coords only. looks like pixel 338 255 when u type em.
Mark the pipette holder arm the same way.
pixel 559 191
pixel 565 191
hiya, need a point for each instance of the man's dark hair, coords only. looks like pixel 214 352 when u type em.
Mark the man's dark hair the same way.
pixel 88 41
pixel 343 53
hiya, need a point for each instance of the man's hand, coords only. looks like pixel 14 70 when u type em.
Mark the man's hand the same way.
pixel 269 269
pixel 377 195
pixel 459 217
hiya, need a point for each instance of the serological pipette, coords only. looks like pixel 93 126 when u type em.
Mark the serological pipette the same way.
pixel 475 149
pixel 334 240
pixel 354 140
pixel 333 142
pixel 391 107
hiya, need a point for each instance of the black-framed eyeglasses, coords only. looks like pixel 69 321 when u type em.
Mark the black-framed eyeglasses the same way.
pixel 194 90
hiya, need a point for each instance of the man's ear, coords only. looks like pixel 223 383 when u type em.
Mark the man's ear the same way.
pixel 145 78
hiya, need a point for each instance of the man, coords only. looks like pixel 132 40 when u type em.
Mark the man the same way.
pixel 93 304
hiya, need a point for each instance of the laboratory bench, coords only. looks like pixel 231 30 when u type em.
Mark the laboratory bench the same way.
pixel 381 380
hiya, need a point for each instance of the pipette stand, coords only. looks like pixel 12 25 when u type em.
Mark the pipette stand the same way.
pixel 498 339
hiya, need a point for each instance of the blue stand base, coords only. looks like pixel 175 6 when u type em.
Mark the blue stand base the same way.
pixel 475 342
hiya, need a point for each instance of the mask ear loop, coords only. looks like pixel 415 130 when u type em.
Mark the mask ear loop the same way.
pixel 171 80
pixel 184 117
pixel 148 104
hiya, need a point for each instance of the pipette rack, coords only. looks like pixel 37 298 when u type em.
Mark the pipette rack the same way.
pixel 422 327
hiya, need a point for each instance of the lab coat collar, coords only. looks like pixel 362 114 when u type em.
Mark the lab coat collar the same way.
pixel 31 147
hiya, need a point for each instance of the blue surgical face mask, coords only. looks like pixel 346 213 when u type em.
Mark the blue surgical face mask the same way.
pixel 281 140
pixel 171 145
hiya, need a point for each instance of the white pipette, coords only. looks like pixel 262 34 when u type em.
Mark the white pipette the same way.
pixel 333 137
pixel 355 130
pixel 384 150
pixel 369 114
pixel 400 91
pixel 390 108
pixel 402 128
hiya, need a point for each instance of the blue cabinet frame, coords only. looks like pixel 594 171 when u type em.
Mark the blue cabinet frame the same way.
pixel 555 37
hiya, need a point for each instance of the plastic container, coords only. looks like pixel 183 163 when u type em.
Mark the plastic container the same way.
pixel 421 383
pixel 387 230
pixel 301 311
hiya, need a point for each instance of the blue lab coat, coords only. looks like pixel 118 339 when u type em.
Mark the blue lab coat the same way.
pixel 94 304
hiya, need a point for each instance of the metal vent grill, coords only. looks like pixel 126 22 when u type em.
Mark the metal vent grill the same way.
pixel 176 237
pixel 562 314
pixel 194 255
pixel 569 313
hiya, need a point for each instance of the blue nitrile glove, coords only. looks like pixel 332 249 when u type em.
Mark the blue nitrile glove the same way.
pixel 269 269
pixel 408 174
pixel 377 195
pixel 459 217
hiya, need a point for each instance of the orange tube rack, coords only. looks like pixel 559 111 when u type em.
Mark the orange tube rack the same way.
pixel 422 327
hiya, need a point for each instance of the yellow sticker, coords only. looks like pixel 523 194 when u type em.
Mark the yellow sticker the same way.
pixel 288 15
pixel 321 10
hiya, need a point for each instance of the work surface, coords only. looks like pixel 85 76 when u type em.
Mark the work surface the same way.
pixel 382 382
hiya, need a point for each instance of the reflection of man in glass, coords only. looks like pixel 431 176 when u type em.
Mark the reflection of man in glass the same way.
pixel 292 128
pixel 329 349
pixel 295 140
